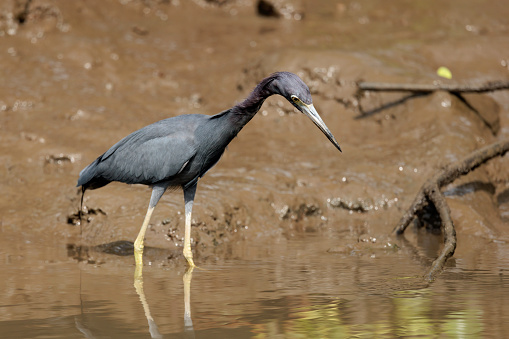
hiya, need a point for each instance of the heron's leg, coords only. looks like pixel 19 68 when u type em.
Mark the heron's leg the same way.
pixel 189 199
pixel 138 244
pixel 157 193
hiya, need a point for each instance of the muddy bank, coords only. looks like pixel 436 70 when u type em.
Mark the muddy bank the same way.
pixel 79 76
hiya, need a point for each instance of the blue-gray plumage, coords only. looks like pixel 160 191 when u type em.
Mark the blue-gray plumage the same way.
pixel 176 152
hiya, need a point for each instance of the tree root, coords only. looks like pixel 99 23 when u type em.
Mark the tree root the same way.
pixel 426 88
pixel 461 91
pixel 430 193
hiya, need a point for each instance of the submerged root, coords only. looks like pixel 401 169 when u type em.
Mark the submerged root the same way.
pixel 430 194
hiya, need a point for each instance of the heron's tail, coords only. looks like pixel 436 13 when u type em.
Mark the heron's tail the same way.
pixel 90 177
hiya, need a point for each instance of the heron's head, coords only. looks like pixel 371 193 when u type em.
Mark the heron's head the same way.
pixel 297 93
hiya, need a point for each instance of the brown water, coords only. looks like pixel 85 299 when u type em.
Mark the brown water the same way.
pixel 288 289
pixel 292 238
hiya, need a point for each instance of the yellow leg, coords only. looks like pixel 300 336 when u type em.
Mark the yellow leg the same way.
pixel 189 199
pixel 188 254
pixel 138 244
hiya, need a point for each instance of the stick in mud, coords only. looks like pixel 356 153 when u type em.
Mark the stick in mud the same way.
pixel 430 193
pixel 438 86
pixel 417 90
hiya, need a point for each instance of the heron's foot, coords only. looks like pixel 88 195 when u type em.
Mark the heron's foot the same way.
pixel 191 262
pixel 138 253
pixel 188 254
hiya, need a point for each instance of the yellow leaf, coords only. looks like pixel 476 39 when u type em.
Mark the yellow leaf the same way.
pixel 444 72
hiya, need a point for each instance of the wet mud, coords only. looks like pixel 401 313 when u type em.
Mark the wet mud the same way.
pixel 78 76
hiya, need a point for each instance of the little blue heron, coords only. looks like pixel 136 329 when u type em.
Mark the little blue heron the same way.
pixel 176 152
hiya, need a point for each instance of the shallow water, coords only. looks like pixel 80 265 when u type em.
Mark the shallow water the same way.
pixel 296 292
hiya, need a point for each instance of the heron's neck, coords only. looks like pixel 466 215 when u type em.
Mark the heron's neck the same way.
pixel 244 111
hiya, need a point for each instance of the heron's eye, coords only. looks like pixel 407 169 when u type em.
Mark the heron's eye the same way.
pixel 295 99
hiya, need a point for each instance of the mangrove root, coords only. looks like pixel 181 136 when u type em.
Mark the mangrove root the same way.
pixel 430 193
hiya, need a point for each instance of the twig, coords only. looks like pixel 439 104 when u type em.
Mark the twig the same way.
pixel 430 193
pixel 426 88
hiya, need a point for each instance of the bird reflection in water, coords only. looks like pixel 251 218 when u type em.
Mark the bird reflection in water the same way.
pixel 188 321
pixel 152 326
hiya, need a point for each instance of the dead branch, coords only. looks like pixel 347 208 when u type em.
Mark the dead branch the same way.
pixel 438 86
pixel 430 193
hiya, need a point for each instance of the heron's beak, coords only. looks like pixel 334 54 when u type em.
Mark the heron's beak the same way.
pixel 311 112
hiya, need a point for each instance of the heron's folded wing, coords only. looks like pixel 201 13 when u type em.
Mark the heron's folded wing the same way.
pixel 148 160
